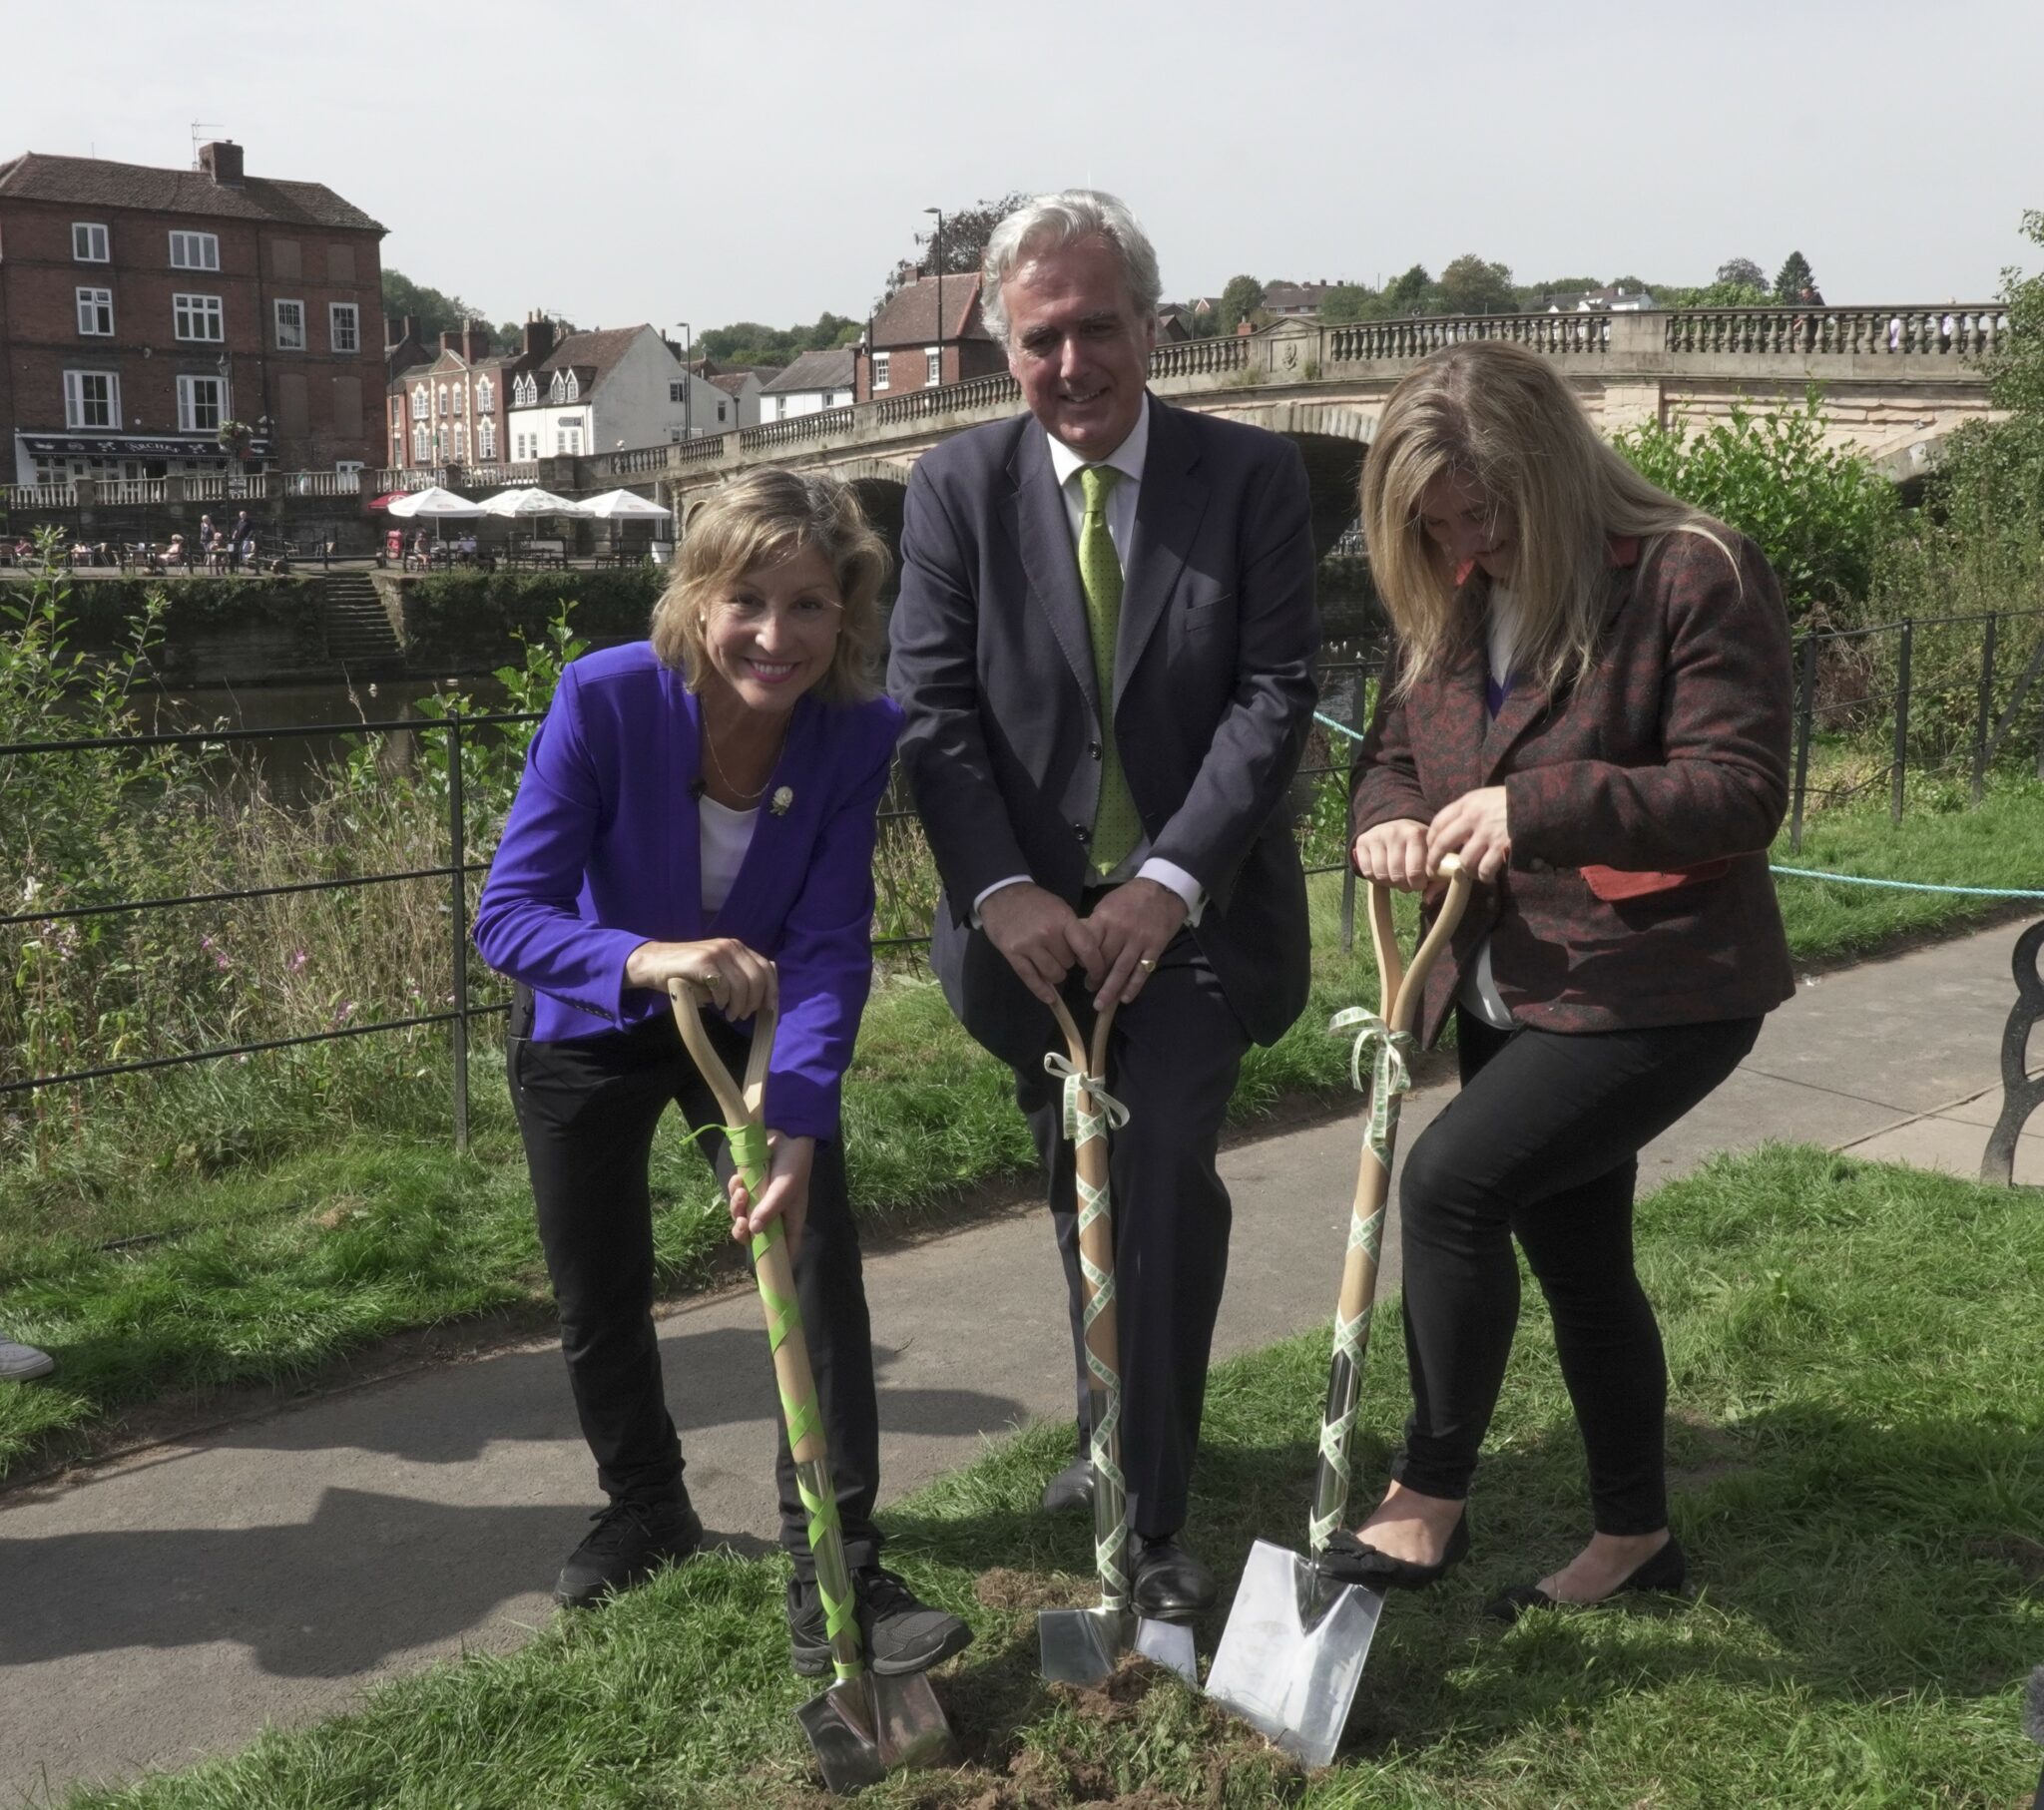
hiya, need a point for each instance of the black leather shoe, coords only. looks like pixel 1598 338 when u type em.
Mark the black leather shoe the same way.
pixel 1349 1560
pixel 897 1633
pixel 1167 1581
pixel 630 1542
pixel 1664 1573
pixel 1071 1488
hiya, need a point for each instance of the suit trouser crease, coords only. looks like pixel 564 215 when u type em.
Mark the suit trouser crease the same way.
pixel 587 1111
pixel 1542 1144
pixel 1173 1059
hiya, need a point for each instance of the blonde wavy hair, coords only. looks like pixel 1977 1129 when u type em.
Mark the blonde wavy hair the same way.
pixel 761 519
pixel 1503 417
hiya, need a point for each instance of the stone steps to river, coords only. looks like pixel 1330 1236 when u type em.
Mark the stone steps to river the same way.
pixel 356 627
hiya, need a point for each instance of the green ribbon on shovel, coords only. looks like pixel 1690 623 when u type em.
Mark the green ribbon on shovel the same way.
pixel 1390 1054
pixel 1110 1555
pixel 750 1155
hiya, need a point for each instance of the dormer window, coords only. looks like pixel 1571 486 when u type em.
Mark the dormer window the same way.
pixel 574 387
pixel 558 390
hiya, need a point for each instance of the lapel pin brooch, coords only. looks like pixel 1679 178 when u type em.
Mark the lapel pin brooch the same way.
pixel 784 796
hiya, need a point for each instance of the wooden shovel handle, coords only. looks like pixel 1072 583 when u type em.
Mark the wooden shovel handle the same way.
pixel 1096 1242
pixel 1404 989
pixel 742 1103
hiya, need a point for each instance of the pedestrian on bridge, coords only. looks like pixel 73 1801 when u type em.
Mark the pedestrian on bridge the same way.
pixel 1590 705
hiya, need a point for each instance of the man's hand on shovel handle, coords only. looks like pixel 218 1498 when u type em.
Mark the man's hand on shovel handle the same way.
pixel 1133 923
pixel 1040 934
pixel 785 1196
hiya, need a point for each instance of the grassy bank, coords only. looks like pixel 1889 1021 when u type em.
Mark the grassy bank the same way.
pixel 1856 1432
pixel 266 1219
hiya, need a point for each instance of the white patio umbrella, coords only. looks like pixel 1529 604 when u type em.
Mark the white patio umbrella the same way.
pixel 528 501
pixel 432 501
pixel 615 506
pixel 436 503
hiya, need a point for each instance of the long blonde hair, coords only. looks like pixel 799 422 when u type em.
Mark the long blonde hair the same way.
pixel 761 519
pixel 1503 417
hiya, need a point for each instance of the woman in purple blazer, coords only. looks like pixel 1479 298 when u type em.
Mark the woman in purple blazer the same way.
pixel 700 806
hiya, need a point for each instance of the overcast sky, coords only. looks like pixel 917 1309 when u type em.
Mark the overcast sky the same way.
pixel 620 161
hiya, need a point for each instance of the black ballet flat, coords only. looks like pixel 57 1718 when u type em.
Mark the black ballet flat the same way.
pixel 1349 1560
pixel 1664 1573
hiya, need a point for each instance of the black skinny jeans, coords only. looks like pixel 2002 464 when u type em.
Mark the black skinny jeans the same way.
pixel 1542 1144
pixel 586 1110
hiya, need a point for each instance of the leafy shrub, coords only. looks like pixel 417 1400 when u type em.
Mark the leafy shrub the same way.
pixel 1820 513
pixel 450 616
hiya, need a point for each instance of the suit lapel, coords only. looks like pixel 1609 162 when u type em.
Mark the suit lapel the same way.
pixel 1043 534
pixel 685 848
pixel 1169 508
pixel 1530 700
pixel 1465 721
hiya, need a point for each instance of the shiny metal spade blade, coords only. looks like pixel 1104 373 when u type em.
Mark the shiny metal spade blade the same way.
pixel 1080 1645
pixel 1293 1652
pixel 1169 1645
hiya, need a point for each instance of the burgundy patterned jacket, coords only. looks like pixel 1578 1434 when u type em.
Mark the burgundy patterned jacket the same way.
pixel 1673 755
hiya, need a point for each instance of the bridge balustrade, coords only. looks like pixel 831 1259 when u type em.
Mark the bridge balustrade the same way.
pixel 1376 342
pixel 818 424
pixel 992 391
pixel 1938 331
pixel 1199 357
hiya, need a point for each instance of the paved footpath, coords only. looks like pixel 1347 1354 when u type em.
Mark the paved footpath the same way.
pixel 165 1606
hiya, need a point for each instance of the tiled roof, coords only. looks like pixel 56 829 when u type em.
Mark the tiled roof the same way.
pixel 88 182
pixel 826 370
pixel 910 314
pixel 589 355
pixel 733 383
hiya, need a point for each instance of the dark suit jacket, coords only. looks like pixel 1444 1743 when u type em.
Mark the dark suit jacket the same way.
pixel 1214 697
pixel 1673 753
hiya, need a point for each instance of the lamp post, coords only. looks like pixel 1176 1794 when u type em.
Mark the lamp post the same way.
pixel 937 253
pixel 688 383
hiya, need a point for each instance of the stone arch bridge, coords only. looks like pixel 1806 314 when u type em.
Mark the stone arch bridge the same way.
pixel 1894 382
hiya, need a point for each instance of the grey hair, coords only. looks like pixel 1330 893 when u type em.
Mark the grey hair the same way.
pixel 1049 223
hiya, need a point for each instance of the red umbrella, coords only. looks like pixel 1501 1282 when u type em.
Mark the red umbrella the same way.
pixel 384 501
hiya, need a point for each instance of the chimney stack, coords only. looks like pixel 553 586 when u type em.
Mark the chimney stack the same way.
pixel 450 340
pixel 222 160
pixel 475 340
pixel 539 335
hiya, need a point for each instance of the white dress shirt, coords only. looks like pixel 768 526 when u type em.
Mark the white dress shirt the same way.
pixel 1128 459
pixel 1478 994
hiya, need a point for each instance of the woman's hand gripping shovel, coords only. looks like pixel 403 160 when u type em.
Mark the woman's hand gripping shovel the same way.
pixel 1083 1646
pixel 864 1726
pixel 1294 1649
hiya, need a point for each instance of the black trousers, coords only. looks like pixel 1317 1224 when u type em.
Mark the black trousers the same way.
pixel 1173 1059
pixel 586 1110
pixel 1543 1143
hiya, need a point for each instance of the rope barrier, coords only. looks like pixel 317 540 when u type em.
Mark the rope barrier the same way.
pixel 1816 873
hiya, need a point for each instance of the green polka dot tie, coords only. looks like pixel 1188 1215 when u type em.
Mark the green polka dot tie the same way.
pixel 1116 827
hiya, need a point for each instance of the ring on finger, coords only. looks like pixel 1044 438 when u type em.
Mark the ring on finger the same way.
pixel 1147 962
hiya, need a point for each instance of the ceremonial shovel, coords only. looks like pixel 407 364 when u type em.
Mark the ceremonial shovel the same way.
pixel 1081 1645
pixel 1294 1649
pixel 864 1726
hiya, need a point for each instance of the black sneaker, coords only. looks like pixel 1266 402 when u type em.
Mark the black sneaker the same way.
pixel 898 1633
pixel 630 1542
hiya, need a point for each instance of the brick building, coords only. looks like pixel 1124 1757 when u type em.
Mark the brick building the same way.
pixel 453 408
pixel 910 348
pixel 142 308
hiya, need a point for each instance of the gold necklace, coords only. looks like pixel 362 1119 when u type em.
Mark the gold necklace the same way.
pixel 753 796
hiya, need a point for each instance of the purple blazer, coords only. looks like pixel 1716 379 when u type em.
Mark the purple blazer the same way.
pixel 602 853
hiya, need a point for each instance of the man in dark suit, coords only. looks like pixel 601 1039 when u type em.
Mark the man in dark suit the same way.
pixel 1104 646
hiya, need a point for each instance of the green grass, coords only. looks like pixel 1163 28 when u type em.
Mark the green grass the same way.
pixel 1858 1444
pixel 1940 840
pixel 260 1268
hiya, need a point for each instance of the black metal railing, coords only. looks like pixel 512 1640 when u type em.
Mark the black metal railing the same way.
pixel 1866 682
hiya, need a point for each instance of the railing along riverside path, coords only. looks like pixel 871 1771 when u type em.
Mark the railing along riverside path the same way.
pixel 1773 346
